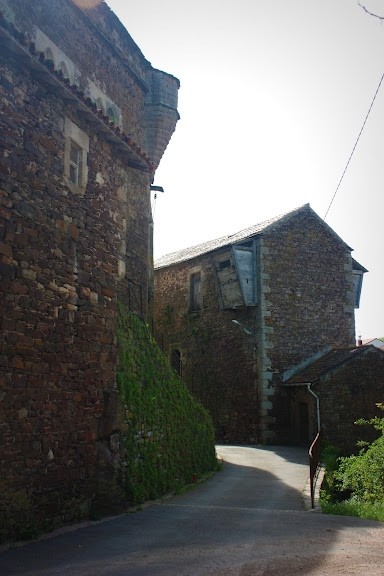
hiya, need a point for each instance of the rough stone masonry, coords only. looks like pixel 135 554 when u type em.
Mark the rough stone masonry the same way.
pixel 84 121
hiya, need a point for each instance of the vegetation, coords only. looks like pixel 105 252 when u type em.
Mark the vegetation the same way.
pixel 169 439
pixel 354 485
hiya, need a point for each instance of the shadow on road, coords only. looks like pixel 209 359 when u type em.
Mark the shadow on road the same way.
pixel 245 521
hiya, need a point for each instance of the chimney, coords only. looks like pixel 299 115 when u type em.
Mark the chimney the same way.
pixel 359 341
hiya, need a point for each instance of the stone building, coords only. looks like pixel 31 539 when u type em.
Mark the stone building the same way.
pixel 84 122
pixel 234 314
pixel 332 390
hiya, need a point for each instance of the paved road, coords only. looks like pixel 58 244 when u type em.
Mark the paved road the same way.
pixel 248 520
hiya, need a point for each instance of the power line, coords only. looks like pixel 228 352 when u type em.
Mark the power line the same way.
pixel 353 150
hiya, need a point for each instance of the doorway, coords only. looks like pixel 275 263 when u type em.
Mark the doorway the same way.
pixel 303 423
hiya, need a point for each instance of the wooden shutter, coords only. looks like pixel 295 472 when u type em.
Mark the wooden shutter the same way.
pixel 245 258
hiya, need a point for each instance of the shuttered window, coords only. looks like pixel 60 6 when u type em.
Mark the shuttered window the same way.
pixel 245 260
pixel 195 291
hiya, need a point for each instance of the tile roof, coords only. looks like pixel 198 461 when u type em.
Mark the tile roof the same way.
pixel 316 367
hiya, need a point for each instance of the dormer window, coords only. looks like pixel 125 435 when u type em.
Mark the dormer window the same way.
pixel 49 58
pixel 64 70
pixel 99 104
pixel 111 115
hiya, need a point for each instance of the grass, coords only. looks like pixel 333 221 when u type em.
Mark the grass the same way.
pixel 356 508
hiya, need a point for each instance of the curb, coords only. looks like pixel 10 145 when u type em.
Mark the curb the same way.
pixel 306 494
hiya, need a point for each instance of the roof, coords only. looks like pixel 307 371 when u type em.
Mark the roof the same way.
pixel 256 230
pixel 317 366
pixel 357 266
pixel 375 342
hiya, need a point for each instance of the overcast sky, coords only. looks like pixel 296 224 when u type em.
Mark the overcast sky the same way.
pixel 273 96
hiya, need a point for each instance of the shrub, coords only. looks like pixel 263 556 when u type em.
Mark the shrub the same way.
pixel 354 485
pixel 363 473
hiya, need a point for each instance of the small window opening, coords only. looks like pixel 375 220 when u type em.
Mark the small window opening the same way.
pixel 111 114
pixel 176 361
pixel 99 104
pixel 195 289
pixel 75 155
pixel 64 70
pixel 48 55
pixel 224 264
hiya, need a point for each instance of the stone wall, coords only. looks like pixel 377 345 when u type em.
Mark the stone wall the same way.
pixel 349 393
pixel 304 303
pixel 216 355
pixel 307 305
pixel 75 237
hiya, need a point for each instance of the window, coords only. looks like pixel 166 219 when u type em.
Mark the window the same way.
pixel 224 264
pixel 64 70
pixel 111 115
pixel 75 163
pixel 195 291
pixel 99 104
pixel 245 259
pixel 75 157
pixel 176 361
pixel 227 285
pixel 48 55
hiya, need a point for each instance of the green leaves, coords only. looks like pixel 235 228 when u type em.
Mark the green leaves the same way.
pixel 170 437
pixel 354 484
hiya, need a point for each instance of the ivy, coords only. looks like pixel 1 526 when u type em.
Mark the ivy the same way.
pixel 169 440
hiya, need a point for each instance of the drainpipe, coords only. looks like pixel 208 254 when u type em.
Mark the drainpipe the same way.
pixel 317 405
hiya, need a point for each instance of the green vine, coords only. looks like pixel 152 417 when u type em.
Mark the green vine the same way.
pixel 170 437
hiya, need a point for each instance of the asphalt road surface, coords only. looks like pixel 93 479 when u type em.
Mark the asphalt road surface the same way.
pixel 248 520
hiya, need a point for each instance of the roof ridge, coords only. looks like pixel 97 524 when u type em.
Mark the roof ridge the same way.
pixel 204 247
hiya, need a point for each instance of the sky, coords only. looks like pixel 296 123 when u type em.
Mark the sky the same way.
pixel 273 96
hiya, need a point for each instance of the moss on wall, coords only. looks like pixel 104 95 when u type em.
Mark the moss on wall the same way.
pixel 170 438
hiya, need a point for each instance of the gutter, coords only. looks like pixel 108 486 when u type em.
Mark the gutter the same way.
pixel 317 405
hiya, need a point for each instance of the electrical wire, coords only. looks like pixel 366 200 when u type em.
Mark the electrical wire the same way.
pixel 354 148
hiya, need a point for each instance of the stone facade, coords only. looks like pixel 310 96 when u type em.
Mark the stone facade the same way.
pixel 263 300
pixel 84 121
pixel 346 385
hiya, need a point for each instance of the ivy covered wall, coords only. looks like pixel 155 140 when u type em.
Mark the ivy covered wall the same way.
pixel 169 437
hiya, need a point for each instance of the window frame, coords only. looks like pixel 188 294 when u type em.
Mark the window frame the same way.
pixel 75 165
pixel 75 140
pixel 247 271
